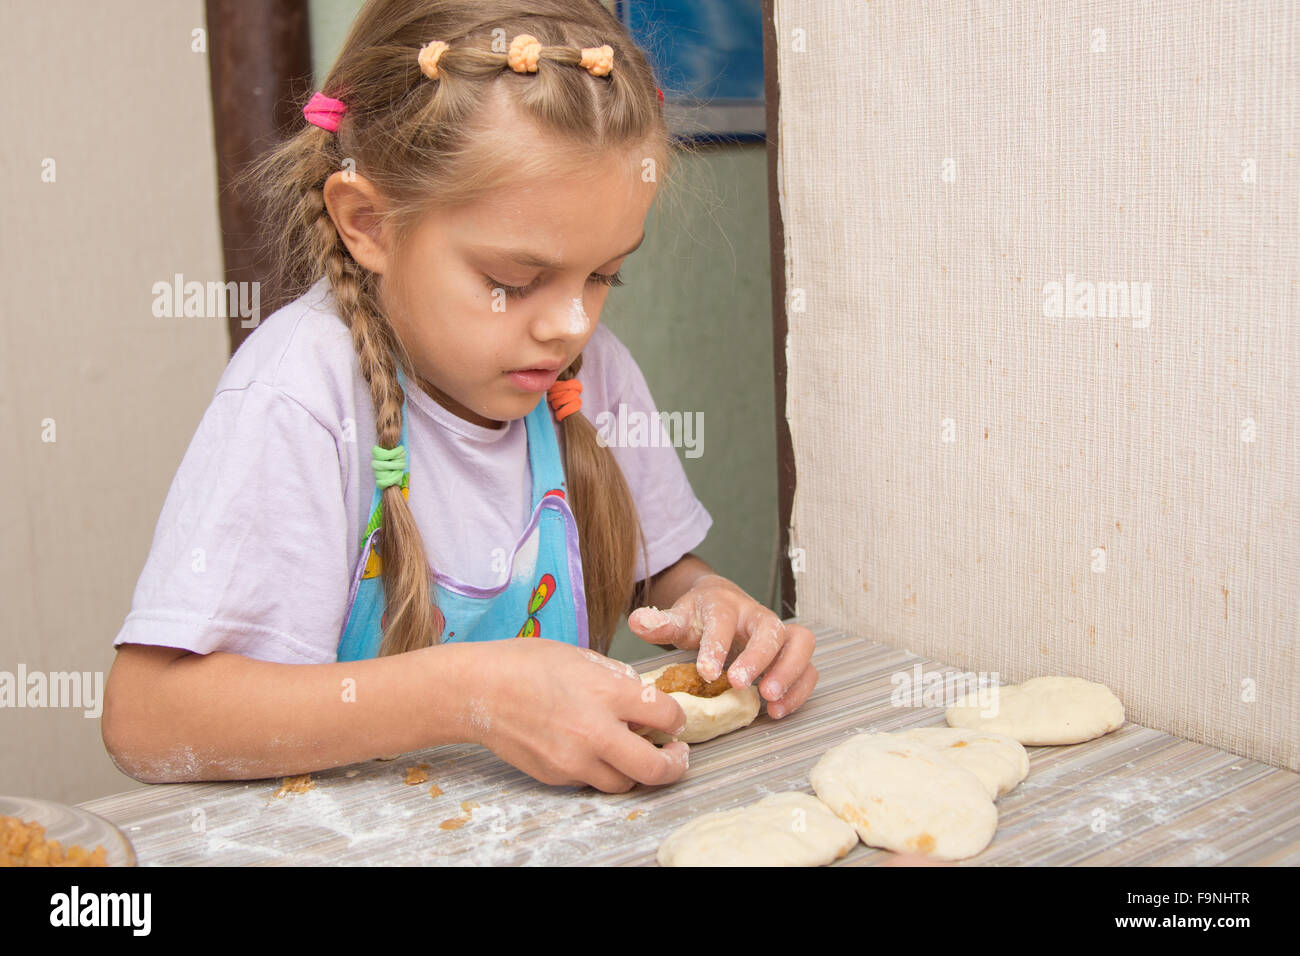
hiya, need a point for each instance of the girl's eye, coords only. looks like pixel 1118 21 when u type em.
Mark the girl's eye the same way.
pixel 519 291
pixel 511 291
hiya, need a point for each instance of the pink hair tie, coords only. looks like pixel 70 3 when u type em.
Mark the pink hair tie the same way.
pixel 324 112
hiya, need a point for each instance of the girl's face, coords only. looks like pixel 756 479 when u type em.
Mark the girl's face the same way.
pixel 479 293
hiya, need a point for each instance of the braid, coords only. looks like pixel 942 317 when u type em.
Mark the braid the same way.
pixel 603 505
pixel 412 620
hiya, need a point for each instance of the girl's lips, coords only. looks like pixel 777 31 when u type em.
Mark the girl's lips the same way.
pixel 534 379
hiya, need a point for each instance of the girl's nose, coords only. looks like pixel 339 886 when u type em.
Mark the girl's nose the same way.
pixel 566 319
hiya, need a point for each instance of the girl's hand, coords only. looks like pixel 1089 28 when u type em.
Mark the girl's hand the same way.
pixel 712 614
pixel 561 713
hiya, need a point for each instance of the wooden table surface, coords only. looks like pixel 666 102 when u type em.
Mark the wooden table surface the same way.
pixel 1133 797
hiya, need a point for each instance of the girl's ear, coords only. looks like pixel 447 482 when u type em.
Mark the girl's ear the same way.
pixel 354 204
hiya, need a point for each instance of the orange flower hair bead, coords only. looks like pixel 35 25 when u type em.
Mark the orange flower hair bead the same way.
pixel 598 60
pixel 525 51
pixel 429 55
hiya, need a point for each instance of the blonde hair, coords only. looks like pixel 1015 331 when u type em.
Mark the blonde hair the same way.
pixel 428 144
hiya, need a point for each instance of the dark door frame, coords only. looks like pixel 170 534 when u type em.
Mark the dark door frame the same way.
pixel 259 67
pixel 785 468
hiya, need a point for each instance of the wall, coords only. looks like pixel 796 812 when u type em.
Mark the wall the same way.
pixel 1004 485
pixel 115 96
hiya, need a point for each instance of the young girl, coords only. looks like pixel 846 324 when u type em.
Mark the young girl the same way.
pixel 378 499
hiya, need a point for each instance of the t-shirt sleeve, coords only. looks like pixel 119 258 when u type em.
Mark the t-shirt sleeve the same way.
pixel 673 519
pixel 250 555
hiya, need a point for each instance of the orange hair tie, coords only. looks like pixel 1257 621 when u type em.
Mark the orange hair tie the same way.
pixel 598 60
pixel 525 51
pixel 565 398
pixel 430 53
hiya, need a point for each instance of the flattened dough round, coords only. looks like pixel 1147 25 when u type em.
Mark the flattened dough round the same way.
pixel 906 796
pixel 999 761
pixel 785 829
pixel 1044 711
pixel 708 717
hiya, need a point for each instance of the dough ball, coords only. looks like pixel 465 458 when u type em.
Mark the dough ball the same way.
pixel 707 717
pixel 785 829
pixel 1044 711
pixel 999 761
pixel 906 796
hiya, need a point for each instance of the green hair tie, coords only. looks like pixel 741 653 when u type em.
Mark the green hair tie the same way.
pixel 389 465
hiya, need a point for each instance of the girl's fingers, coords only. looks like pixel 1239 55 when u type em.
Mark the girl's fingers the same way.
pixel 649 707
pixel 796 695
pixel 790 663
pixel 684 624
pixel 607 778
pixel 765 635
pixel 717 615
pixel 616 666
pixel 707 617
pixel 658 627
pixel 633 757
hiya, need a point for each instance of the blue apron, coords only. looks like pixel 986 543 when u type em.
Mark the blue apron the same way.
pixel 543 596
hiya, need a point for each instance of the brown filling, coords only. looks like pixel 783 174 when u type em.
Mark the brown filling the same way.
pixel 23 843
pixel 685 679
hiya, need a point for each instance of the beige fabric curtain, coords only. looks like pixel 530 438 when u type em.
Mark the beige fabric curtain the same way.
pixel 1043 264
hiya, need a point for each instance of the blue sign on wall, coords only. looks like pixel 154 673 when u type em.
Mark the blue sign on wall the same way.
pixel 708 56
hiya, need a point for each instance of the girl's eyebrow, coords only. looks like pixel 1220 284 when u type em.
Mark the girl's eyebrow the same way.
pixel 526 258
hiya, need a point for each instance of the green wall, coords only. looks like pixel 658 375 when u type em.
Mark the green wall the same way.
pixel 696 313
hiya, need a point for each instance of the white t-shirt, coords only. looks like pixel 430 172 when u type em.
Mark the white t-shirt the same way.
pixel 260 532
